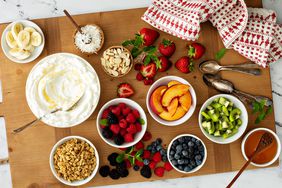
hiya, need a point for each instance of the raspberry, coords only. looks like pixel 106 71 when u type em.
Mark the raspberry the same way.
pixel 132 129
pixel 159 171
pixel 167 166
pixel 130 118
pixel 148 81
pixel 136 113
pixel 115 128
pixel 137 66
pixel 147 136
pixel 139 145
pixel 146 154
pixel 116 110
pixel 138 126
pixel 126 111
pixel 128 137
pixel 157 157
pixel 139 76
pixel 105 113
pixel 152 165
pixel 139 163
pixel 122 105
pixel 122 132
pixel 123 123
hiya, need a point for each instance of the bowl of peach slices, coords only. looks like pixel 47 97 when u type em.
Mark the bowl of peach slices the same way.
pixel 171 100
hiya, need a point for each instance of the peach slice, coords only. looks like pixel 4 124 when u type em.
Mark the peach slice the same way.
pixel 172 106
pixel 180 112
pixel 155 100
pixel 172 92
pixel 172 83
pixel 186 101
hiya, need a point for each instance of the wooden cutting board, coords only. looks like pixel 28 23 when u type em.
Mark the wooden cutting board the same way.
pixel 29 151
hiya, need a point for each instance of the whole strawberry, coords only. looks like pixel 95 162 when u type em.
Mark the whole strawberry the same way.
pixel 184 65
pixel 165 64
pixel 196 50
pixel 149 36
pixel 167 48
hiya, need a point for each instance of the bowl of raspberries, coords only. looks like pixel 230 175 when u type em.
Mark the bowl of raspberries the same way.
pixel 187 153
pixel 121 122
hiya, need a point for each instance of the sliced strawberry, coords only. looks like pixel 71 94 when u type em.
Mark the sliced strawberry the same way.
pixel 149 71
pixel 184 64
pixel 125 90
pixel 149 36
pixel 196 50
pixel 167 48
pixel 165 64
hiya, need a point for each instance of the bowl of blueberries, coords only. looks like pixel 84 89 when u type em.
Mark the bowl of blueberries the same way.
pixel 187 153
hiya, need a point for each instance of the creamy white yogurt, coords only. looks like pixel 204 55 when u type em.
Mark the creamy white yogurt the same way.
pixel 59 81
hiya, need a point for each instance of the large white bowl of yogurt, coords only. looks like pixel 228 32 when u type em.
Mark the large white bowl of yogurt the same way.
pixel 58 81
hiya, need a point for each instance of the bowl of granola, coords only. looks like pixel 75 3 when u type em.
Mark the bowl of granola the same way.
pixel 117 61
pixel 74 160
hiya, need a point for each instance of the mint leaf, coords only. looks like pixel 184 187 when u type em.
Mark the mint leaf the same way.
pixel 139 153
pixel 138 40
pixel 150 49
pixel 128 42
pixel 104 122
pixel 141 121
pixel 255 106
pixel 135 52
pixel 268 111
pixel 129 150
pixel 220 53
pixel 131 160
pixel 260 117
pixel 139 158
pixel 120 158
pixel 147 60
pixel 157 61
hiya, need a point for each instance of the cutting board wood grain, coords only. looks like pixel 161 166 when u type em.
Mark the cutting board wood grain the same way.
pixel 29 151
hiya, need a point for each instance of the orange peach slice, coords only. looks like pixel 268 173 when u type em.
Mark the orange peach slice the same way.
pixel 180 112
pixel 172 83
pixel 172 106
pixel 172 92
pixel 155 100
pixel 186 101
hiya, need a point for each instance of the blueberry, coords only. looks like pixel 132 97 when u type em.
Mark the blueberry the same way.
pixel 180 161
pixel 198 142
pixel 159 141
pixel 187 169
pixel 191 150
pixel 201 148
pixel 136 168
pixel 179 148
pixel 185 153
pixel 153 150
pixel 193 163
pixel 198 157
pixel 174 162
pixel 175 143
pixel 190 144
pixel 180 167
pixel 154 144
pixel 193 139
pixel 164 158
pixel 181 139
pixel 184 146
pixel 198 162
pixel 202 153
pixel 146 162
pixel 186 161
pixel 163 152
pixel 176 156
pixel 159 147
pixel 149 147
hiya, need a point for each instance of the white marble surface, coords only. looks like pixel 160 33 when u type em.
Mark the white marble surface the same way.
pixel 11 10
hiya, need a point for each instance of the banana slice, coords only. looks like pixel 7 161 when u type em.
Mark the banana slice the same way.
pixel 29 47
pixel 23 38
pixel 16 29
pixel 36 39
pixel 29 29
pixel 25 55
pixel 16 52
pixel 12 43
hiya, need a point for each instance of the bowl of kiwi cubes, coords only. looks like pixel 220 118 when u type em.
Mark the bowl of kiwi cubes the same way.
pixel 223 119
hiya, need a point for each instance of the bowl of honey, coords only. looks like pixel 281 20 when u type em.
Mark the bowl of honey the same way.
pixel 266 157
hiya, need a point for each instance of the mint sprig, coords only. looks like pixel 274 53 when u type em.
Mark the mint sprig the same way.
pixel 260 109
pixel 220 54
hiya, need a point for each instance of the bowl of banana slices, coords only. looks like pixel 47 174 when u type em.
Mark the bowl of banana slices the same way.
pixel 22 41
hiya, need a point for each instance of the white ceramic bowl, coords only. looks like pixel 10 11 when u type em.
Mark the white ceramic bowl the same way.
pixel 132 104
pixel 278 147
pixel 164 81
pixel 30 82
pixel 37 50
pixel 75 183
pixel 244 118
pixel 198 167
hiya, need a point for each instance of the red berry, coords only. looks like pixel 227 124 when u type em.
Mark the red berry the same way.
pixel 137 66
pixel 167 48
pixel 126 111
pixel 115 128
pixel 149 36
pixel 184 64
pixel 105 113
pixel 165 64
pixel 131 129
pixel 157 157
pixel 139 76
pixel 146 154
pixel 167 166
pixel 122 132
pixel 111 107
pixel 116 110
pixel 128 164
pixel 139 145
pixel 122 149
pixel 136 113
pixel 139 163
pixel 149 71
pixel 123 123
pixel 138 126
pixel 159 171
pixel 196 50
pixel 128 137
pixel 148 81
pixel 130 118
pixel 152 165
pixel 147 136
pixel 124 90
pixel 122 105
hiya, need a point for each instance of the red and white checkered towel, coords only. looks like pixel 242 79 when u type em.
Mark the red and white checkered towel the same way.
pixel 252 32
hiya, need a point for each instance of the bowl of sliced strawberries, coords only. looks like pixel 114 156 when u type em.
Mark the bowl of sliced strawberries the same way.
pixel 171 100
pixel 121 122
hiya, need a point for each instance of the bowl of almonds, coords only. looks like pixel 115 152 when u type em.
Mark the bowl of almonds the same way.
pixel 74 160
pixel 117 61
